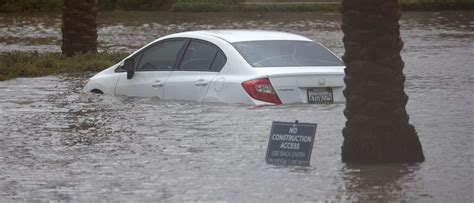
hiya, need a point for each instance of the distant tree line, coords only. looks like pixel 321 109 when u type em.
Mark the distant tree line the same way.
pixel 56 5
pixel 134 4
pixel 8 6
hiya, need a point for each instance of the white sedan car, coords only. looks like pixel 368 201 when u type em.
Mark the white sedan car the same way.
pixel 231 66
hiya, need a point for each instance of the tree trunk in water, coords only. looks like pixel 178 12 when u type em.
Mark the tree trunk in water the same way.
pixel 377 128
pixel 79 27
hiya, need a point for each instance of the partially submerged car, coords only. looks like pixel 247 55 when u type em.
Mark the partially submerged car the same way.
pixel 231 66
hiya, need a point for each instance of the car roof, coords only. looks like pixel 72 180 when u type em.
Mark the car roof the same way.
pixel 232 36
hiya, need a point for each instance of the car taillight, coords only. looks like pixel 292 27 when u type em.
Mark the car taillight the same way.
pixel 261 89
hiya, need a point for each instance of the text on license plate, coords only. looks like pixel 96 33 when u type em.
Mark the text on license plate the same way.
pixel 320 95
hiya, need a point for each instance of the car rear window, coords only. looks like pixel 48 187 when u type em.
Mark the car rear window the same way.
pixel 286 53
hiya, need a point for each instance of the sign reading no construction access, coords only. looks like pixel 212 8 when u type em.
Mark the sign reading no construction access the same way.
pixel 291 143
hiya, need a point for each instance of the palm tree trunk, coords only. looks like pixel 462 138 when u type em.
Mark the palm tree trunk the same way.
pixel 377 128
pixel 79 27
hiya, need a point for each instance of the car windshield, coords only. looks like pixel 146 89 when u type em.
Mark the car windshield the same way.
pixel 286 53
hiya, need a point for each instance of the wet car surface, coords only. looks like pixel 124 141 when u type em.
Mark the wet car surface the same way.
pixel 253 67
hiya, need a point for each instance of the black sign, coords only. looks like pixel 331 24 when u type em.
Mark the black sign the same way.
pixel 291 143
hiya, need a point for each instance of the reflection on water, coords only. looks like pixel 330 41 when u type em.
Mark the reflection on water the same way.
pixel 57 143
pixel 380 183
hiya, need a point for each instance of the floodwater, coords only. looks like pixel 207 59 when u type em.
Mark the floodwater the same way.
pixel 57 143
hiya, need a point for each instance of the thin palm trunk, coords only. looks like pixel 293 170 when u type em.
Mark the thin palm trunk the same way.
pixel 79 27
pixel 377 128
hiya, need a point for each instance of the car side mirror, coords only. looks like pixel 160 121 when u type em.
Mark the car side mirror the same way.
pixel 128 65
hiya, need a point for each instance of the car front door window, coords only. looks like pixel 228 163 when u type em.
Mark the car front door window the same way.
pixel 161 56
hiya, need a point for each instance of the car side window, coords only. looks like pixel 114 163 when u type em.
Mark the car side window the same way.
pixel 199 56
pixel 219 61
pixel 136 59
pixel 161 56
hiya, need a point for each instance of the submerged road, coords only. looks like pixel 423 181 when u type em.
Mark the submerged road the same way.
pixel 57 143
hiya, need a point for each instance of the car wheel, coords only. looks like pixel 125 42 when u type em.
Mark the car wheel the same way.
pixel 97 91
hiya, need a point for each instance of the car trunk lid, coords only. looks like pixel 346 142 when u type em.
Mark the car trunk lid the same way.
pixel 297 84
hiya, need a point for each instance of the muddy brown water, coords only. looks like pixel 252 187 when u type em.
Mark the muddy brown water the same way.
pixel 57 143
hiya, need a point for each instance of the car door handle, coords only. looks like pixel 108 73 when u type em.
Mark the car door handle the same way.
pixel 157 84
pixel 200 82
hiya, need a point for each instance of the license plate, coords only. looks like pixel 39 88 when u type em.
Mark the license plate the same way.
pixel 320 95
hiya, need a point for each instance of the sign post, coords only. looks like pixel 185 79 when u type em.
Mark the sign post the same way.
pixel 291 143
